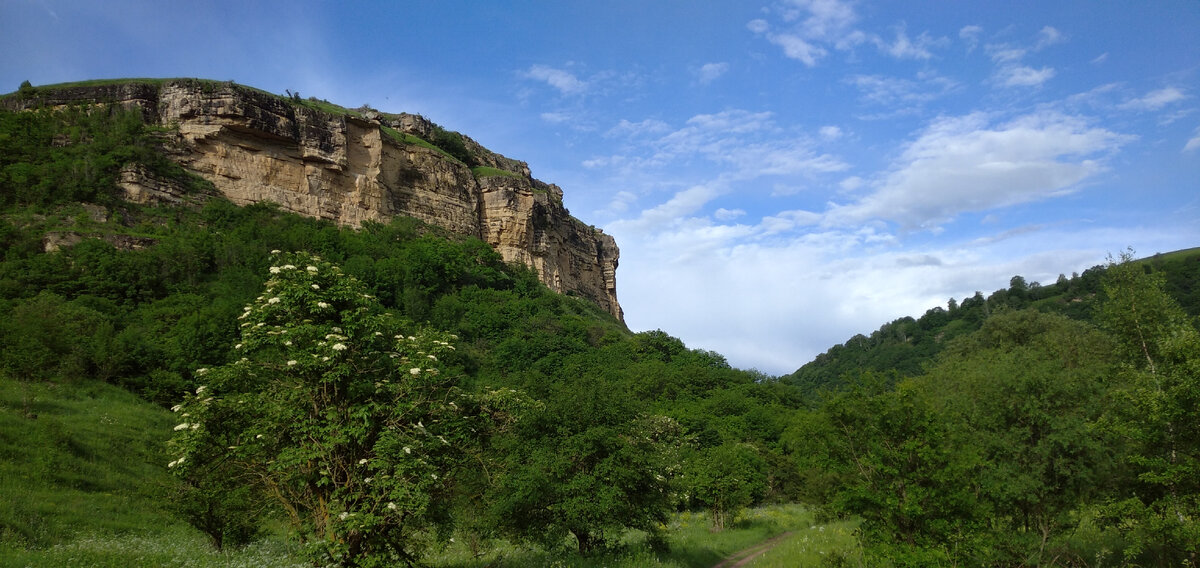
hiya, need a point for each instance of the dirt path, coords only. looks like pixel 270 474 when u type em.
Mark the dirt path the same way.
pixel 743 557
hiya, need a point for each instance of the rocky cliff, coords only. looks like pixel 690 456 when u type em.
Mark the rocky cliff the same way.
pixel 319 160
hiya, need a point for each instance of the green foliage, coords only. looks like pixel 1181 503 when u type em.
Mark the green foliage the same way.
pixel 726 479
pixel 452 143
pixel 485 171
pixel 49 157
pixel 1155 415
pixel 589 464
pixel 347 422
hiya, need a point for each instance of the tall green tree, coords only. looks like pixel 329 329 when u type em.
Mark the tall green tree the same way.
pixel 338 412
pixel 1155 412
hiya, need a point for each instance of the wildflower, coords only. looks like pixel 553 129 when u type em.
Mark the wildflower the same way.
pixel 391 506
pixel 336 329
pixel 201 372
pixel 288 267
pixel 343 515
pixel 324 358
pixel 432 357
pixel 238 346
pixel 274 270
pixel 292 363
pixel 200 388
pixel 407 450
pixel 339 346
pixel 378 334
pixel 433 475
pixel 183 426
pixel 195 425
pixel 274 300
pixel 414 371
pixel 258 437
pixel 275 251
pixel 316 286
pixel 368 480
pixel 177 408
pixel 288 343
pixel 176 462
pixel 322 305
pixel 311 269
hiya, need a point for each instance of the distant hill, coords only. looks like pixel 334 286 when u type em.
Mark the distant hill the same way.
pixel 903 347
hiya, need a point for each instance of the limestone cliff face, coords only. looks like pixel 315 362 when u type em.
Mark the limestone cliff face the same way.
pixel 350 168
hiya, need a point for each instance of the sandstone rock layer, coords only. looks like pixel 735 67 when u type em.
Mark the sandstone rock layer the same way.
pixel 355 167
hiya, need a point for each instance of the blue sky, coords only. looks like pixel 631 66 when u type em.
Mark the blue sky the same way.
pixel 779 175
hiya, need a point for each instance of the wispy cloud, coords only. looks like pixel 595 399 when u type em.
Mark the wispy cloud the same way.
pixel 1155 100
pixel 564 81
pixel 807 29
pixel 710 72
pixel 1010 69
pixel 1194 143
pixel 961 164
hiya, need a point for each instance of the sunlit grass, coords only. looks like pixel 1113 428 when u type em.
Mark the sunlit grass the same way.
pixel 833 544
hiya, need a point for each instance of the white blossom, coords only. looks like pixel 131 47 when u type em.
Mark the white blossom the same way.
pixel 316 286
pixel 339 346
pixel 322 305
pixel 343 515
pixel 274 300
pixel 292 362
pixel 311 269
pixel 274 270
pixel 288 267
pixel 288 343
pixel 238 346
pixel 407 450
pixel 176 462
pixel 414 371
pixel 275 251
pixel 391 506
pixel 432 357
pixel 177 408
pixel 201 388
pixel 362 461
pixel 183 426
pixel 195 425
pixel 258 437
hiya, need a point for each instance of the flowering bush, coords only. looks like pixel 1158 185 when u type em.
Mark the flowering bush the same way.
pixel 337 412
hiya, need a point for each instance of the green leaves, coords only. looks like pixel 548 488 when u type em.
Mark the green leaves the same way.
pixel 338 411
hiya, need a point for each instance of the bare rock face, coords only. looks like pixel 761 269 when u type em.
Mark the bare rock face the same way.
pixel 255 146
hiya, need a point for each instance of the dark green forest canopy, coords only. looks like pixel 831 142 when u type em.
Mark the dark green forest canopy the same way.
pixel 903 348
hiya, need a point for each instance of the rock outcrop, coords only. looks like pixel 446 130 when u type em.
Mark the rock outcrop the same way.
pixel 356 166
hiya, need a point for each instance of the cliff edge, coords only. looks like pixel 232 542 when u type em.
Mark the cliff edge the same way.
pixel 319 160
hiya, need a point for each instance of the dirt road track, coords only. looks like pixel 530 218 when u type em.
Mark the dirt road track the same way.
pixel 743 557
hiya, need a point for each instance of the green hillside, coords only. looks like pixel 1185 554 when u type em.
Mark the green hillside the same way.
pixel 904 347
pixel 214 385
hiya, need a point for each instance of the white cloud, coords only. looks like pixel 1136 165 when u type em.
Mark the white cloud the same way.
pixel 648 127
pixel 565 82
pixel 1023 76
pixel 830 132
pixel 709 72
pixel 970 34
pixel 724 214
pixel 904 48
pixel 1155 100
pixel 797 48
pixel 1099 59
pixel 1047 37
pixel 555 117
pixel 895 91
pixel 1194 143
pixel 961 164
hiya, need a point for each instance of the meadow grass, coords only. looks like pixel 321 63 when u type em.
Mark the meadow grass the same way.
pixel 692 544
pixel 832 544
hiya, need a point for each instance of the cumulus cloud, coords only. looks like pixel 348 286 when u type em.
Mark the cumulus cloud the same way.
pixel 830 132
pixel 961 164
pixel 904 48
pixel 710 72
pixel 564 81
